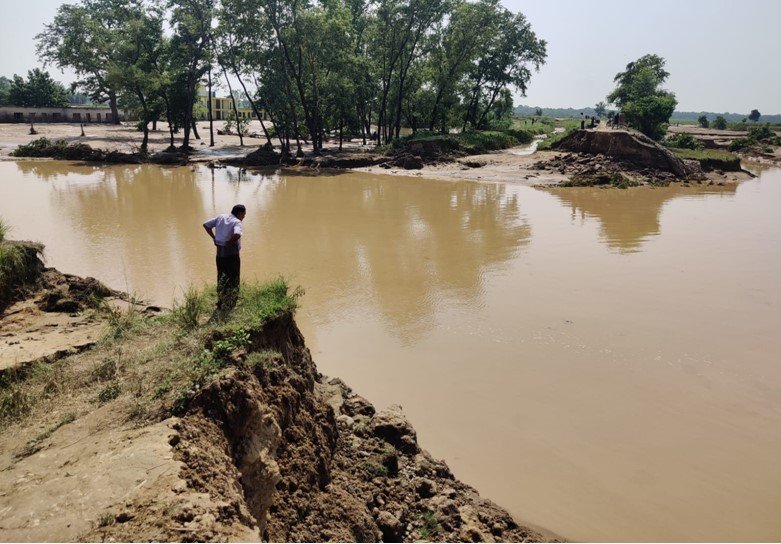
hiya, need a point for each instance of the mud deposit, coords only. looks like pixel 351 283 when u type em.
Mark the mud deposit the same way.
pixel 602 363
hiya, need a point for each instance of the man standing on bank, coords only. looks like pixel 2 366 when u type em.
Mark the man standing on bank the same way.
pixel 226 231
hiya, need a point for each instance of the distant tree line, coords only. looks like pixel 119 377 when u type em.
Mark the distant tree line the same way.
pixel 364 67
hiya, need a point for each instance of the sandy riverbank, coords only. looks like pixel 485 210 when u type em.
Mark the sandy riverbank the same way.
pixel 515 165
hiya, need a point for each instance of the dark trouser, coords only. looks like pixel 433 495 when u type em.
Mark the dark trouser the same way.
pixel 228 271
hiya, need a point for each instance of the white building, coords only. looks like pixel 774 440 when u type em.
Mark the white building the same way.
pixel 71 114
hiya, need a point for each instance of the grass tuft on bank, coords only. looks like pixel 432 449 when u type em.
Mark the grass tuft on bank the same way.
pixel 149 366
pixel 20 265
pixel 710 159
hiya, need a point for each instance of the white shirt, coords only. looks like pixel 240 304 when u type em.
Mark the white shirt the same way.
pixel 225 226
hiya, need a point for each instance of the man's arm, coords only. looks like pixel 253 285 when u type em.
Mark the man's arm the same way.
pixel 210 232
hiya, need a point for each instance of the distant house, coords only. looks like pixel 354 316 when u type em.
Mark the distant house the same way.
pixel 222 108
pixel 71 114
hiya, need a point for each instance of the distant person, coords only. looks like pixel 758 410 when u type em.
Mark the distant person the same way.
pixel 582 121
pixel 225 230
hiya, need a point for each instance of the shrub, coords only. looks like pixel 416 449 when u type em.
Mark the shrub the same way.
pixel 683 141
pixel 720 123
pixel 741 143
pixel 760 133
pixel 703 121
pixel 187 314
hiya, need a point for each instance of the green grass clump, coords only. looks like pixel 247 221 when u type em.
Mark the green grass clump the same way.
pixel 150 367
pixel 710 159
pixel 57 149
pixel 431 526
pixel 683 141
pixel 188 313
pixel 20 265
pixel 375 470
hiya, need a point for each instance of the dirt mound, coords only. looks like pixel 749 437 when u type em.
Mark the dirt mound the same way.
pixel 342 160
pixel 68 293
pixel 276 452
pixel 630 147
pixel 262 156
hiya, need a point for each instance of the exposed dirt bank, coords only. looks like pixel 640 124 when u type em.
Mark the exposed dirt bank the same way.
pixel 55 315
pixel 267 448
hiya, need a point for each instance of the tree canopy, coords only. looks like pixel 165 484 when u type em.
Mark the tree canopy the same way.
pixel 38 91
pixel 754 115
pixel 638 94
pixel 362 67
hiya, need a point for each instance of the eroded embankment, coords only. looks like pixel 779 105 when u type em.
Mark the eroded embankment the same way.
pixel 173 428
pixel 287 455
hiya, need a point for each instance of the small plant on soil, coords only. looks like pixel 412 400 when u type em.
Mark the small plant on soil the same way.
pixel 375 470
pixel 431 526
pixel 188 313
pixel 109 393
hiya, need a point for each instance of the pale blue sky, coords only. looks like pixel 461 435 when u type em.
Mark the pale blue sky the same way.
pixel 722 55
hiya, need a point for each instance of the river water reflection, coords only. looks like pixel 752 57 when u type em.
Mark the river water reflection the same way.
pixel 603 363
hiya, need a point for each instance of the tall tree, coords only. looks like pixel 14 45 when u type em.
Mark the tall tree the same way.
pixel 135 62
pixel 85 37
pixel 754 115
pixel 507 62
pixel 190 45
pixel 38 91
pixel 638 93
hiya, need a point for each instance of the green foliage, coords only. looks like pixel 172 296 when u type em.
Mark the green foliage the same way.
pixel 703 121
pixel 761 133
pixel 710 159
pixel 15 402
pixel 375 470
pixel 683 141
pixel 431 526
pixel 719 123
pixel 741 143
pixel 188 313
pixel 109 392
pixel 638 93
pixel 20 265
pixel 5 85
pixel 58 149
pixel 122 323
pixel 600 109
pixel 39 91
pixel 754 115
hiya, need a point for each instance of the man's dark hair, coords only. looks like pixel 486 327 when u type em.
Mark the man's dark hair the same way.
pixel 237 209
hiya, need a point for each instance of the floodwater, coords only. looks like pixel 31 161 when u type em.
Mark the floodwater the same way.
pixel 605 364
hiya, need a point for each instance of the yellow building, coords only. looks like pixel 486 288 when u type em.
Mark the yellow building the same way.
pixel 222 108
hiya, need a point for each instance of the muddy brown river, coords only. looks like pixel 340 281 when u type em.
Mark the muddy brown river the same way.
pixel 605 364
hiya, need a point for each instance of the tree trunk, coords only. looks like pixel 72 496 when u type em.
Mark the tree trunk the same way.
pixel 211 118
pixel 235 109
pixel 341 132
pixel 254 107
pixel 195 130
pixel 112 101
pixel 145 122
